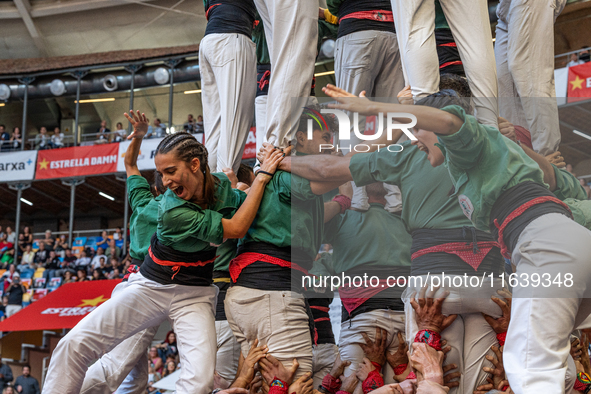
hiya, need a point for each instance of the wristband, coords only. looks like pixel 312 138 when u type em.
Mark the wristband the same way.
pixel 343 201
pixel 278 386
pixel 373 381
pixel 583 382
pixel 331 384
pixel 411 375
pixel 399 370
pixel 429 337
pixel 265 172
pixel 505 388
pixel 501 338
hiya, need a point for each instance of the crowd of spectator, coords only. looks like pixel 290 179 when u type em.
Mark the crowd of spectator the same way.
pixel 50 262
pixel 579 58
pixel 23 384
pixel 44 140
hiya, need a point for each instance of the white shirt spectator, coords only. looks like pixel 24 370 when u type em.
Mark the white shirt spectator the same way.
pixel 57 140
pixel 574 63
pixel 96 261
pixel 83 261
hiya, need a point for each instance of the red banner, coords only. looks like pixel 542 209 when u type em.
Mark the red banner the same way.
pixel 250 149
pixel 579 82
pixel 62 308
pixel 78 161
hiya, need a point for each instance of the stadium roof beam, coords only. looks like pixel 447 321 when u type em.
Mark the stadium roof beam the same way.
pixel 58 8
pixel 23 7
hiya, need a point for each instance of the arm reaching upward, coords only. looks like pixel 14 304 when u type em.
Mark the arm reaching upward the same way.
pixel 428 118
pixel 140 127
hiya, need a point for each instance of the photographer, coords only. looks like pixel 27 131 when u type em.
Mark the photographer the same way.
pixel 15 295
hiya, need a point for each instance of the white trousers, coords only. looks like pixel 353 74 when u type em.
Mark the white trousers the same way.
pixel 542 318
pixel 123 370
pixel 524 50
pixel 469 336
pixel 227 63
pixel 12 309
pixel 369 60
pixel 260 107
pixel 323 358
pixel 277 319
pixel 470 26
pixel 367 322
pixel 228 353
pixel 291 30
pixel 141 305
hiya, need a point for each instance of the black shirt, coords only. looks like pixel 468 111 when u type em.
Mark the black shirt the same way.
pixel 229 16
pixel 15 294
pixel 352 25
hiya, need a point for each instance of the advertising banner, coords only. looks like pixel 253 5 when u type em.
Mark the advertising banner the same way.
pixel 17 166
pixel 77 161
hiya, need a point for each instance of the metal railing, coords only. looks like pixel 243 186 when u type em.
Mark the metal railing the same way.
pixel 86 139
pixel 75 234
pixel 561 60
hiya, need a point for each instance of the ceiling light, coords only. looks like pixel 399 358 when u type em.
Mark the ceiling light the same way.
pixel 161 75
pixel 193 91
pixel 102 100
pixel 26 201
pixel 577 132
pixel 324 73
pixel 57 87
pixel 107 196
pixel 4 92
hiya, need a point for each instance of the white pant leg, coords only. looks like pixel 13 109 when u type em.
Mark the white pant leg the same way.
pixel 509 104
pixel 192 315
pixel 260 105
pixel 367 322
pixel 291 29
pixel 228 351
pixel 128 359
pixel 277 319
pixel 137 379
pixel 530 57
pixel 12 309
pixel 124 369
pixel 323 358
pixel 415 31
pixel 478 339
pixel 470 24
pixel 538 344
pixel 141 305
pixel 210 101
pixel 232 59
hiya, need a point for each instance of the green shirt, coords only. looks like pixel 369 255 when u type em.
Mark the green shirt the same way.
pixel 425 190
pixel 567 185
pixel 258 36
pixel 581 210
pixel 373 237
pixel 226 252
pixel 144 219
pixel 440 21
pixel 482 165
pixel 289 215
pixel 186 227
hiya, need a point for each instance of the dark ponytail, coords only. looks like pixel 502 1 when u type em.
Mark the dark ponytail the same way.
pixel 187 148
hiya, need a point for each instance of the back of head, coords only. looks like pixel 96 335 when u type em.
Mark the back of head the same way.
pixel 376 191
pixel 455 82
pixel 158 187
pixel 444 98
pixel 319 121
pixel 245 174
